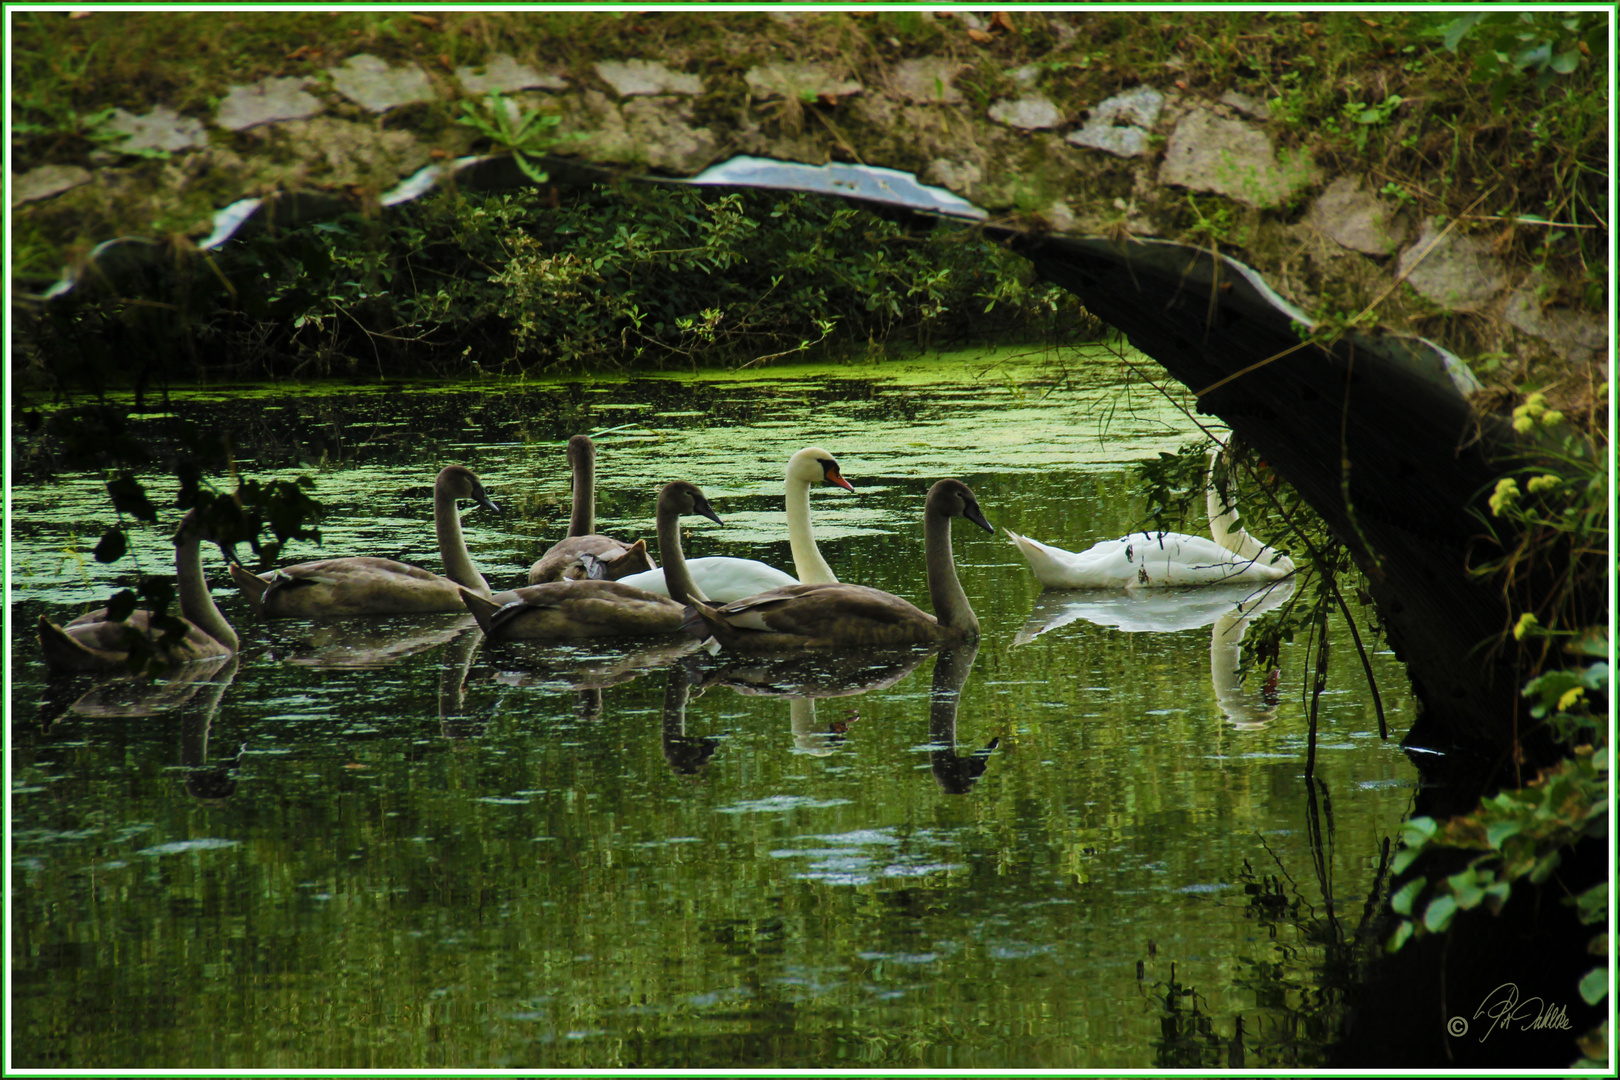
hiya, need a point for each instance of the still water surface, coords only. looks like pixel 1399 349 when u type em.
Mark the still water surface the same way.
pixel 379 844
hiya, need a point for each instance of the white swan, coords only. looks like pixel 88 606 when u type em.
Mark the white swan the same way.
pixel 1149 559
pixel 722 579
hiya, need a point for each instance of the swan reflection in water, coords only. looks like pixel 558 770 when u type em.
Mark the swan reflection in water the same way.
pixel 208 781
pixel 1227 609
pixel 585 668
pixel 686 754
pixel 802 677
pixel 192 692
pixel 122 697
pixel 806 678
pixel 364 643
pixel 956 775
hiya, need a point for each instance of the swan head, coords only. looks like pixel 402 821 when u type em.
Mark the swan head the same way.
pixel 952 498
pixel 813 465
pixel 218 521
pixel 460 482
pixel 681 497
pixel 581 451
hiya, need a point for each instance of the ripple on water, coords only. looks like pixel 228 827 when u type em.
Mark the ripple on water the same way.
pixel 180 847
pixel 776 804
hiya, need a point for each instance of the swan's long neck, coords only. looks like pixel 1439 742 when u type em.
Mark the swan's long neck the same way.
pixel 458 564
pixel 582 522
pixel 1221 517
pixel 677 578
pixel 196 601
pixel 808 564
pixel 1223 522
pixel 951 605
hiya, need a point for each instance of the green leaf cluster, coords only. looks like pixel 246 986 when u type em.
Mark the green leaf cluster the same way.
pixel 645 275
pixel 524 135
pixel 1508 47
pixel 1549 518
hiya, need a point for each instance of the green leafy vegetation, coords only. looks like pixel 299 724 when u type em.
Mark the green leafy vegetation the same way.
pixel 1522 834
pixel 1548 518
pixel 640 276
pixel 1549 521
pixel 523 135
pixel 1508 47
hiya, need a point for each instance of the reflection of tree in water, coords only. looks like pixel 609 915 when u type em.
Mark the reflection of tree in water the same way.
pixel 1300 992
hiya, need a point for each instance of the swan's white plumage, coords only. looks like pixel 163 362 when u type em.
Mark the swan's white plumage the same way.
pixel 720 578
pixel 1149 560
pixel 1144 560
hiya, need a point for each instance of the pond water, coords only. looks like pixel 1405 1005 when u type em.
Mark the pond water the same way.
pixel 382 844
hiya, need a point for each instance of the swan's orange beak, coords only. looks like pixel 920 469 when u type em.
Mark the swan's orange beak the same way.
pixel 833 476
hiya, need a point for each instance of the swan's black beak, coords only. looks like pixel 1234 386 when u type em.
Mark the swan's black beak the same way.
pixel 485 501
pixel 975 515
pixel 700 505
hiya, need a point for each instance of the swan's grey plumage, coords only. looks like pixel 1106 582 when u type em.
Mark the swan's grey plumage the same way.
pixel 96 642
pixel 572 609
pixel 363 585
pixel 835 615
pixel 614 559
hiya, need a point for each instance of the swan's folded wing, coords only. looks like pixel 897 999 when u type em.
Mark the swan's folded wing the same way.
pixel 333 571
pixel 587 606
pixel 615 559
pixel 814 611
